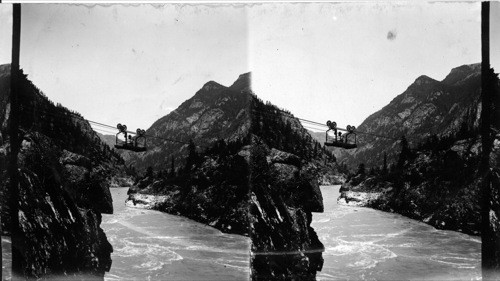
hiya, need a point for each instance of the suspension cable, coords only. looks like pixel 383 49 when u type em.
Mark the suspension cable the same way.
pixel 263 113
pixel 76 115
pixel 289 115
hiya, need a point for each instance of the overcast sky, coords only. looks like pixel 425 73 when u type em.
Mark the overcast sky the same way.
pixel 130 64
pixel 343 61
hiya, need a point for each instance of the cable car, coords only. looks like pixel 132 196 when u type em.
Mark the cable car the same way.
pixel 347 140
pixel 131 143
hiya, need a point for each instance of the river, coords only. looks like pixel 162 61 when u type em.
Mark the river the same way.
pixel 366 244
pixel 360 244
pixel 151 245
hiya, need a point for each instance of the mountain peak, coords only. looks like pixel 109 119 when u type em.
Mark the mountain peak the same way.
pixel 215 112
pixel 424 79
pixel 211 85
pixel 460 73
pixel 243 83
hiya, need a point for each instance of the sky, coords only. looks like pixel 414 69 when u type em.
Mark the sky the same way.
pixel 130 64
pixel 345 61
pixel 321 61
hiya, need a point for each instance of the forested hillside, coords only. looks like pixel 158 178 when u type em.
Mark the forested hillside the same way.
pixel 428 108
pixel 437 181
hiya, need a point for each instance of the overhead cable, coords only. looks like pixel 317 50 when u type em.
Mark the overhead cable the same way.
pixel 289 115
pixel 54 114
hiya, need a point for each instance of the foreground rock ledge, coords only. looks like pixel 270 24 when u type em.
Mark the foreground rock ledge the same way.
pixel 60 205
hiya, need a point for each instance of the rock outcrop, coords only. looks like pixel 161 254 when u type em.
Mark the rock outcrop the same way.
pixel 284 193
pixel 259 176
pixel 64 172
pixel 263 193
pixel 61 198
pixel 214 192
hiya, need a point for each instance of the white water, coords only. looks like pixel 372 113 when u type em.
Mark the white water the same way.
pixel 366 244
pixel 150 245
pixel 361 244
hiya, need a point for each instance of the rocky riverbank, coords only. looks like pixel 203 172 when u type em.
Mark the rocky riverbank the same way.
pixel 61 198
pixel 270 199
pixel 214 193
pixel 438 187
pixel 449 217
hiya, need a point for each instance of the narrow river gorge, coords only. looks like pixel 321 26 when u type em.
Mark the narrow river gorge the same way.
pixel 360 244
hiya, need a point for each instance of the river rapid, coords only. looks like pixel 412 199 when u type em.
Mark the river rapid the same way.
pixel 151 245
pixel 366 244
pixel 360 244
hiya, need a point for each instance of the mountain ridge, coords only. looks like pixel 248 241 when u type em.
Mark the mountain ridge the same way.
pixel 441 180
pixel 214 112
pixel 427 107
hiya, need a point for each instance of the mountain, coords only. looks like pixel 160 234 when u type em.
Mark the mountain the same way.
pixel 427 107
pixel 318 136
pixel 441 180
pixel 251 169
pixel 107 139
pixel 64 172
pixel 217 112
pixel 214 112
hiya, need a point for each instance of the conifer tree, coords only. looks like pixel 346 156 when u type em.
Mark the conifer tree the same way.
pixel 384 167
pixel 405 152
pixel 172 167
pixel 192 157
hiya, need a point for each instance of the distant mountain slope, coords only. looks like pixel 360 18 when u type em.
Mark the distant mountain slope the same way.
pixel 108 139
pixel 217 112
pixel 214 112
pixel 318 136
pixel 426 108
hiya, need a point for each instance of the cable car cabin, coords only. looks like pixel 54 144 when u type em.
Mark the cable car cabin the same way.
pixel 347 141
pixel 130 146
pixel 131 143
pixel 341 144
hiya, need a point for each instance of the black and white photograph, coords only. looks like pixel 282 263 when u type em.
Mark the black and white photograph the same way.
pixel 250 140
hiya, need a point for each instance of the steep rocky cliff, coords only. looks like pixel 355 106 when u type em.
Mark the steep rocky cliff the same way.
pixel 64 170
pixel 284 193
pixel 259 176
pixel 428 107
